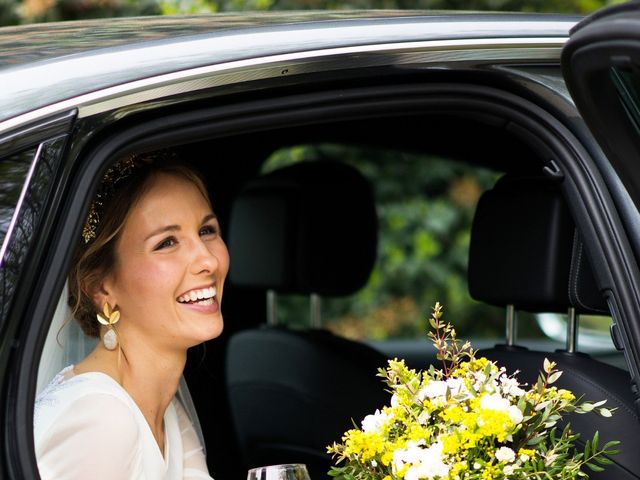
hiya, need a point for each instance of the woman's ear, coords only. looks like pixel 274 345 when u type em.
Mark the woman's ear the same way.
pixel 103 293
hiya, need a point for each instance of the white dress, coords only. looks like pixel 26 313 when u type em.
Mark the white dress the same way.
pixel 87 426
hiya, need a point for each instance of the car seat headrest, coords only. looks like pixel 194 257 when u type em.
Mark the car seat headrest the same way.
pixel 306 228
pixel 525 250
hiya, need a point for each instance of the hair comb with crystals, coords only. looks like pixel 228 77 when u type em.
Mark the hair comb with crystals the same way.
pixel 114 175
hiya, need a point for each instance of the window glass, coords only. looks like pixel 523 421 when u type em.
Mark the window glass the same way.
pixel 425 208
pixel 13 173
pixel 16 244
pixel 627 83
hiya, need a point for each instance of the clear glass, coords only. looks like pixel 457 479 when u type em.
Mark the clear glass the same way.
pixel 291 471
pixel 13 173
pixel 627 83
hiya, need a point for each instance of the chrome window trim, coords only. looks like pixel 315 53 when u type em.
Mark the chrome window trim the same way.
pixel 438 52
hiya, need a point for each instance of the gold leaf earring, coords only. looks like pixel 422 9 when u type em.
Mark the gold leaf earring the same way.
pixel 109 317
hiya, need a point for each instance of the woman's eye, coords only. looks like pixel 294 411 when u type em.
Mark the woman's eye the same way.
pixel 166 243
pixel 208 230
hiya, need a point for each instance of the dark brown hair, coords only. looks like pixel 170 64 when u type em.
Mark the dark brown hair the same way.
pixel 95 259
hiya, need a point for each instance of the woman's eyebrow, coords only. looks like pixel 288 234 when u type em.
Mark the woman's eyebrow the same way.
pixel 211 216
pixel 158 231
pixel 175 228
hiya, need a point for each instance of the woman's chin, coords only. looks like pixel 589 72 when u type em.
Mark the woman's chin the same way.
pixel 209 330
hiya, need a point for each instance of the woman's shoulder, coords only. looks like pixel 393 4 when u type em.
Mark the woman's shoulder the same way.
pixel 88 392
pixel 76 418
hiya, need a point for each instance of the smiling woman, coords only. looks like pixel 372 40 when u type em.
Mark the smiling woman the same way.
pixel 147 279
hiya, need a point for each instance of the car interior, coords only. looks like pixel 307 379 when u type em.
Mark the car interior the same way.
pixel 268 392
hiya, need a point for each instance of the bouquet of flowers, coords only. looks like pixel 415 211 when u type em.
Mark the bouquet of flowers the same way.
pixel 469 420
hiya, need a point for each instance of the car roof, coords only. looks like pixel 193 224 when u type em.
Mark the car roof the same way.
pixel 48 63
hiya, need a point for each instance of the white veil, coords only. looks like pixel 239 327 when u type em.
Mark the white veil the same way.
pixel 66 344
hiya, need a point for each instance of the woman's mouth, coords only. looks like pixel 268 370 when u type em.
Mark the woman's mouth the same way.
pixel 201 299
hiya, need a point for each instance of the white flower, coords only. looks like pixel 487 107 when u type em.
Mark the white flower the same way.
pixel 480 379
pixel 394 400
pixel 505 454
pixel 374 422
pixel 405 455
pixel 423 417
pixel 456 387
pixel 425 463
pixel 509 469
pixel 494 402
pixel 433 389
pixel 515 414
pixel 510 386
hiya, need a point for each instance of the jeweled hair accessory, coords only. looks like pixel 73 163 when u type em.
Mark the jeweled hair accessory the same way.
pixel 114 175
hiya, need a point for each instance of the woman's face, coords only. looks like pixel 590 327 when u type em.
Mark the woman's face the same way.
pixel 170 269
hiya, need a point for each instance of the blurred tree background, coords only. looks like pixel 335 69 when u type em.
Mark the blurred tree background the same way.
pixel 425 204
pixel 14 12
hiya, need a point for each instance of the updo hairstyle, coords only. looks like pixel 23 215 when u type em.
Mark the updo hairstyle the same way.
pixel 94 259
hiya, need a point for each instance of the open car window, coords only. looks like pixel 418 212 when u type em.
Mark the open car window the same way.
pixel 425 206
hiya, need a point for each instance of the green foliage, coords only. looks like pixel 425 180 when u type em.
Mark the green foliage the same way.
pixel 559 6
pixel 187 7
pixel 14 12
pixel 9 12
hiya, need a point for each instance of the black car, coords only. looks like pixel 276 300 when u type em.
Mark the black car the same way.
pixel 557 228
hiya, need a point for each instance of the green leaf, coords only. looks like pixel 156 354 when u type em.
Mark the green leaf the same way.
pixel 611 443
pixel 594 468
pixel 605 412
pixel 554 376
pixel 536 440
pixel 587 449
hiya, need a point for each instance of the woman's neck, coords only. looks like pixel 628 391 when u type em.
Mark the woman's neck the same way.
pixel 152 377
pixel 149 376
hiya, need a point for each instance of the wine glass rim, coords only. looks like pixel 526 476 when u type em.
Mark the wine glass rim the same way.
pixel 281 465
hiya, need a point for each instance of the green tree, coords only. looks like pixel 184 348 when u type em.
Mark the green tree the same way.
pixel 59 10
pixel 13 11
pixel 9 14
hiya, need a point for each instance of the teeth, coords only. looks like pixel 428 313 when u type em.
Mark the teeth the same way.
pixel 200 294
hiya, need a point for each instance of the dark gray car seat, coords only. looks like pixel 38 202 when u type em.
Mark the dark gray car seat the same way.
pixel 306 229
pixel 526 252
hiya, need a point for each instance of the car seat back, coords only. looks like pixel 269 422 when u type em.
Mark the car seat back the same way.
pixel 526 252
pixel 308 229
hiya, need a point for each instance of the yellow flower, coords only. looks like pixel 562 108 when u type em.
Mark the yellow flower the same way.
pixel 453 414
pixel 489 472
pixel 387 456
pixel 363 445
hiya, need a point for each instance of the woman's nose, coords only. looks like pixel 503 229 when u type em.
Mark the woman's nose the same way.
pixel 205 260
